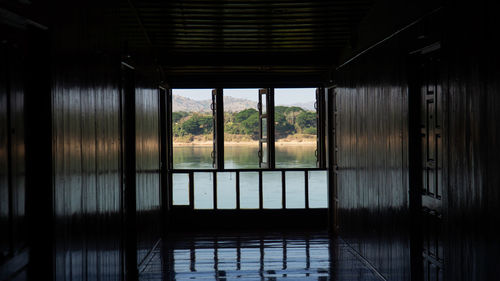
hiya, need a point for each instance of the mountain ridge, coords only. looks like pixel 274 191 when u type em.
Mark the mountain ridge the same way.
pixel 231 104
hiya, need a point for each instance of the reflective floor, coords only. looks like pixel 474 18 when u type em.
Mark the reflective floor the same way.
pixel 270 256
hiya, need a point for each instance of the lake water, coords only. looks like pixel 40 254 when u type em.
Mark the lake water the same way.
pixel 245 157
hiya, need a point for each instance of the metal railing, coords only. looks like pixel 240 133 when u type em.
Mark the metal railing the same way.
pixel 237 172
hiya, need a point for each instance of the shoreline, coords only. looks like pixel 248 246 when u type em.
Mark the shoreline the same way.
pixel 244 143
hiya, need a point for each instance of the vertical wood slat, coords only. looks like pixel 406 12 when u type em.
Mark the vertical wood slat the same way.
pixel 128 111
pixel 237 190
pixel 306 188
pixel 169 162
pixel 219 129
pixel 191 190
pixel 215 189
pixel 283 190
pixel 163 136
pixel 261 197
pixel 270 129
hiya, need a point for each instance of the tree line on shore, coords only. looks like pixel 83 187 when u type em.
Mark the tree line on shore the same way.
pixel 288 121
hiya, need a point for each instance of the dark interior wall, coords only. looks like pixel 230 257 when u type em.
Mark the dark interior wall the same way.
pixel 12 146
pixel 86 141
pixel 471 171
pixel 372 137
pixel 76 202
pixel 147 166
pixel 372 102
pixel 88 191
pixel 4 167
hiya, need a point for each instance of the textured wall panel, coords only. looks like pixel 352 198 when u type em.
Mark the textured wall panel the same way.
pixel 372 178
pixel 147 166
pixel 373 187
pixel 4 169
pixel 473 163
pixel 12 150
pixel 86 143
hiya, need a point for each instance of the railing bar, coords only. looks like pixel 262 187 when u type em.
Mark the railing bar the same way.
pixel 261 195
pixel 306 188
pixel 170 189
pixel 283 190
pixel 191 190
pixel 237 190
pixel 215 189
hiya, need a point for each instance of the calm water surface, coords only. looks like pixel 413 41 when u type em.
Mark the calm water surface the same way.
pixel 245 157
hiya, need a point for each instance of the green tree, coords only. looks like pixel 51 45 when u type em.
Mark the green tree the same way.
pixel 178 115
pixel 282 127
pixel 250 126
pixel 245 114
pixel 198 124
pixel 178 131
pixel 306 121
pixel 291 113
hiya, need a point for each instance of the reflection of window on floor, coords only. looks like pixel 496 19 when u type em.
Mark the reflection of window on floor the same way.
pixel 266 165
pixel 257 257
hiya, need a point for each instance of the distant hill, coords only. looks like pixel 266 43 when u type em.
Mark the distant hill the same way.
pixel 231 104
pixel 309 106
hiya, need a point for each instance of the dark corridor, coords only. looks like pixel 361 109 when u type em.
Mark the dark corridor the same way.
pixel 404 181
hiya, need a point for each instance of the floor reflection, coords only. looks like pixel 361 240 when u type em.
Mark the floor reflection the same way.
pixel 275 256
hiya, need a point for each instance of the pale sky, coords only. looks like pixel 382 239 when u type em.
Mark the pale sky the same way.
pixel 283 96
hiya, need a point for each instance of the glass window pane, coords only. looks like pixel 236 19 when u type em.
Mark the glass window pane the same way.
pixel 241 128
pixel 180 189
pixel 192 128
pixel 318 191
pixel 264 128
pixel 203 191
pixel 295 190
pixel 271 182
pixel 264 104
pixel 241 156
pixel 265 154
pixel 249 190
pixel 295 127
pixel 226 190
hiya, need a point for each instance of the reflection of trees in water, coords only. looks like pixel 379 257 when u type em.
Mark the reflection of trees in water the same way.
pixel 192 157
pixel 244 156
pixel 299 156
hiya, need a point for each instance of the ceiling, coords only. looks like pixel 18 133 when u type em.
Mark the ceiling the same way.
pixel 242 42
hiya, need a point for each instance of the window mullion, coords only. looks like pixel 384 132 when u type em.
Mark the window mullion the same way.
pixel 219 129
pixel 270 128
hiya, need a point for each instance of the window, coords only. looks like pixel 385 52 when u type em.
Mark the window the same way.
pixel 246 149
pixel 192 128
pixel 295 128
pixel 241 128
